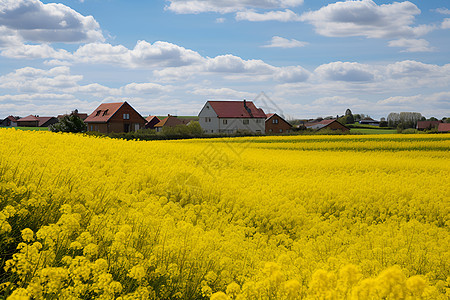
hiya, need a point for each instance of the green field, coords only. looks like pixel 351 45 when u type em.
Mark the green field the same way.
pixel 372 131
pixel 32 128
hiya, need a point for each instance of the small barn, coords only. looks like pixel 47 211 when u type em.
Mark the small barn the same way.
pixel 444 127
pixel 327 124
pixel 9 121
pixel 275 124
pixel 36 121
pixel 151 122
pixel 427 125
pixel 114 117
pixel 171 121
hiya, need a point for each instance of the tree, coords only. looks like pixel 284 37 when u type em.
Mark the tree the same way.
pixel 393 119
pixel 69 123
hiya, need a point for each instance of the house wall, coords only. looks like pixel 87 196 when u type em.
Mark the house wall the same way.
pixel 277 128
pixel 28 123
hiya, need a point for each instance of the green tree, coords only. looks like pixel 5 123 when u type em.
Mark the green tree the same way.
pixel 69 123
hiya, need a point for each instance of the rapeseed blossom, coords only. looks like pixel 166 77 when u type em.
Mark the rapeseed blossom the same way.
pixel 307 217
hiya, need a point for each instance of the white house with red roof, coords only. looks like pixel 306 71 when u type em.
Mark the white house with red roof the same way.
pixel 232 116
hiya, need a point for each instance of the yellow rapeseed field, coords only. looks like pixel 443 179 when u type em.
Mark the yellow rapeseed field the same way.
pixel 308 217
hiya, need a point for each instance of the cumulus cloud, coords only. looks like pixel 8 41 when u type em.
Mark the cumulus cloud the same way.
pixel 346 71
pixel 280 42
pixel 144 54
pixel 35 51
pixel 412 45
pixel 34 21
pixel 222 93
pixel 366 18
pixel 37 80
pixel 281 16
pixel 444 11
pixel 227 6
pixel 446 24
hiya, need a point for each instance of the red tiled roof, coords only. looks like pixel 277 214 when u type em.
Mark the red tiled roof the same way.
pixel 104 112
pixel 427 124
pixel 236 109
pixel 444 127
pixel 29 118
pixel 268 116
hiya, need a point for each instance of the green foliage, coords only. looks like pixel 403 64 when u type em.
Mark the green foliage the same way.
pixel 69 123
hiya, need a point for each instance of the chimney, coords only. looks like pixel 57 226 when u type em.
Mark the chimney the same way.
pixel 247 108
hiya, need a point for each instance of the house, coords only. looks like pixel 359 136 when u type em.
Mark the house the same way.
pixel 36 121
pixel 232 116
pixel 369 121
pixel 327 124
pixel 114 117
pixel 171 121
pixel 444 127
pixel 9 121
pixel 82 116
pixel 427 125
pixel 276 124
pixel 151 122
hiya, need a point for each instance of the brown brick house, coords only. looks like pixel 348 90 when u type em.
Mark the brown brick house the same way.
pixel 171 121
pixel 276 124
pixel 115 117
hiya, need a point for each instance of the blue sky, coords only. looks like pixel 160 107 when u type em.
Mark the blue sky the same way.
pixel 312 58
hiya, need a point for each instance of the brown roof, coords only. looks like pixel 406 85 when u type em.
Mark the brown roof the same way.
pixel 444 127
pixel 29 118
pixel 170 121
pixel 104 112
pixel 427 124
pixel 43 120
pixel 149 118
pixel 12 118
pixel 236 109
pixel 268 116
pixel 81 115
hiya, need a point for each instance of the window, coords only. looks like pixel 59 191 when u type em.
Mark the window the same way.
pixel 105 112
pixel 98 113
pixel 207 119
pixel 225 122
pixel 258 121
pixel 245 122
pixel 207 106
pixel 281 130
pixel 126 116
pixel 275 121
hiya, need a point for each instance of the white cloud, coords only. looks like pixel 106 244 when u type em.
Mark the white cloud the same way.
pixel 34 51
pixel 366 18
pixel 227 6
pixel 346 71
pixel 39 81
pixel 220 20
pixel 144 54
pixel 222 93
pixel 280 42
pixel 444 11
pixel 143 88
pixel 412 45
pixel 446 24
pixel 281 16
pixel 31 20
pixel 9 38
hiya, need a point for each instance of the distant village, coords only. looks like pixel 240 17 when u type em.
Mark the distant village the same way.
pixel 216 117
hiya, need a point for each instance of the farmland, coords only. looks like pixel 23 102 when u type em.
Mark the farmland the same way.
pixel 304 217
